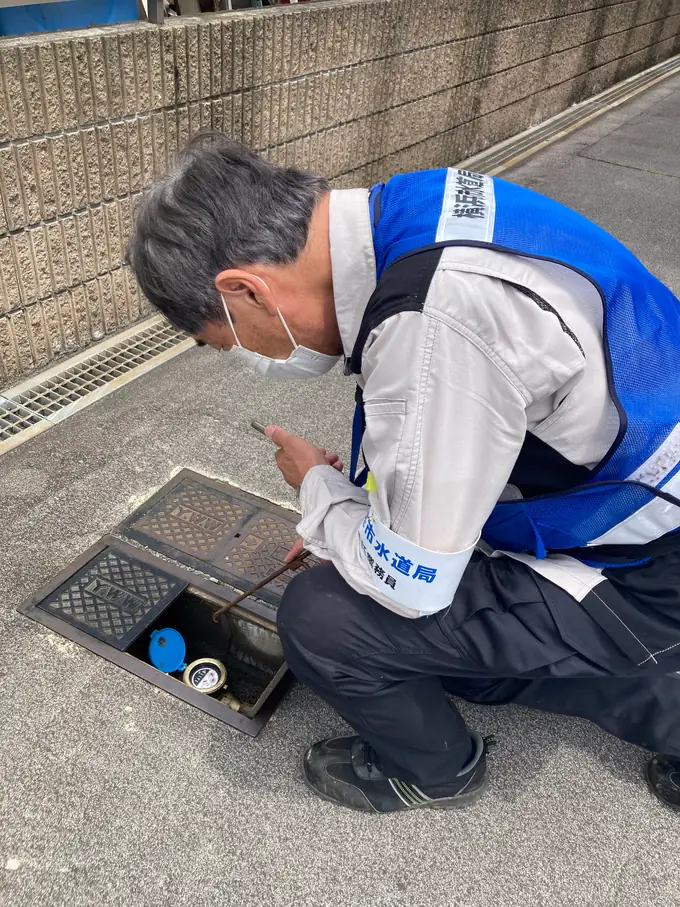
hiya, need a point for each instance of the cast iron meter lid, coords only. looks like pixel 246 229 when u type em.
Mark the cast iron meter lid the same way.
pixel 205 674
pixel 167 650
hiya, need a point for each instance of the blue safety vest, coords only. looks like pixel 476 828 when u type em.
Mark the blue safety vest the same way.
pixel 416 213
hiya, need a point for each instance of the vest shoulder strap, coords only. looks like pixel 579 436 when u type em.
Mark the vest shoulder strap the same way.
pixel 403 287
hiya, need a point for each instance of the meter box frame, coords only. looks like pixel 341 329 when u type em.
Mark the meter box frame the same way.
pixel 111 597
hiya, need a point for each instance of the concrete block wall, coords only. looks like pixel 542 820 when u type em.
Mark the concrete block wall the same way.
pixel 355 89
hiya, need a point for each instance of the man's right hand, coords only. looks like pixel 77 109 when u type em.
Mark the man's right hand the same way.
pixel 295 551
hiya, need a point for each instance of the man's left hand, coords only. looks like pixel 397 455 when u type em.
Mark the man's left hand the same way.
pixel 295 456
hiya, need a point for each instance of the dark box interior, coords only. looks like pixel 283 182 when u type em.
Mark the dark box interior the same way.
pixel 250 652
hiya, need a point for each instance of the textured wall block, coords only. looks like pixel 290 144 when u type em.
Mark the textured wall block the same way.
pixel 120 298
pixel 86 244
pixel 102 260
pixel 9 284
pixel 192 60
pixel 93 175
pixel 107 171
pixel 182 125
pixel 131 158
pixel 128 73
pixel 214 65
pixel 12 207
pixel 51 318
pixel 81 316
pixel 23 341
pixel 158 123
pixel 146 149
pixel 68 95
pixel 123 170
pixel 28 178
pixel 180 71
pixel 39 337
pixel 94 309
pixel 97 68
pixel 61 169
pixel 246 118
pixel 227 65
pixel 10 362
pixel 167 70
pixel 47 191
pixel 108 303
pixel 133 295
pixel 155 64
pixel 204 61
pixel 5 125
pixel 125 209
pixel 236 47
pixel 58 259
pixel 84 86
pixel 64 305
pixel 73 250
pixel 140 51
pixel 40 255
pixel 114 75
pixel 16 100
pixel 31 79
pixel 117 242
pixel 249 54
pixel 78 170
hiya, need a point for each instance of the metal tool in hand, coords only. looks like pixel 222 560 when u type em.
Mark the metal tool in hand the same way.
pixel 293 565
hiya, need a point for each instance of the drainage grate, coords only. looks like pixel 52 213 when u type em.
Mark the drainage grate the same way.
pixel 73 385
pixel 15 418
pixel 49 398
pixel 214 527
pixel 510 152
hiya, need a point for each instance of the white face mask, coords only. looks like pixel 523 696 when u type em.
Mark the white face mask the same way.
pixel 302 362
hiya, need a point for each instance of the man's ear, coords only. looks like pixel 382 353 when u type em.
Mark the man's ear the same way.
pixel 246 287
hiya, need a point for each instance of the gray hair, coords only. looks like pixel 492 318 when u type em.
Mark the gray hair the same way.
pixel 220 206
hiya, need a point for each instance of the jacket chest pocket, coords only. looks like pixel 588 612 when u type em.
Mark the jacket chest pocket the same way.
pixel 382 443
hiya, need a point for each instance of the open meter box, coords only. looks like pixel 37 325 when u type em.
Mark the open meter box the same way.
pixel 193 547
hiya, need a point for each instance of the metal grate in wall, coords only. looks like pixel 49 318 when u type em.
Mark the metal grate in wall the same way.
pixel 51 397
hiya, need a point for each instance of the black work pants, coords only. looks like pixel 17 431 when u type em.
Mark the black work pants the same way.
pixel 509 636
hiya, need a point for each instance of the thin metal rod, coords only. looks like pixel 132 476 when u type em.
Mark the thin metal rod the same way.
pixel 293 565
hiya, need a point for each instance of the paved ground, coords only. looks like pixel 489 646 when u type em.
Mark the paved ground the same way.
pixel 117 794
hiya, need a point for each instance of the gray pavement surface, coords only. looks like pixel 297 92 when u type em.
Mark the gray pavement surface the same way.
pixel 115 793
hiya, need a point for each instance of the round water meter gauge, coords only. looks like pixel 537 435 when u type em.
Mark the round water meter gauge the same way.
pixel 207 675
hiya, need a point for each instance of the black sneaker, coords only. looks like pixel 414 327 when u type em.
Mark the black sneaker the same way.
pixel 346 771
pixel 663 778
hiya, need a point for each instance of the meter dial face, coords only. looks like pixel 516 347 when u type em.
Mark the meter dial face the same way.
pixel 206 675
pixel 203 677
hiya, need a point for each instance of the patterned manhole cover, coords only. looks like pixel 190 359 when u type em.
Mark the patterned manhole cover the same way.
pixel 261 548
pixel 194 518
pixel 216 528
pixel 114 597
